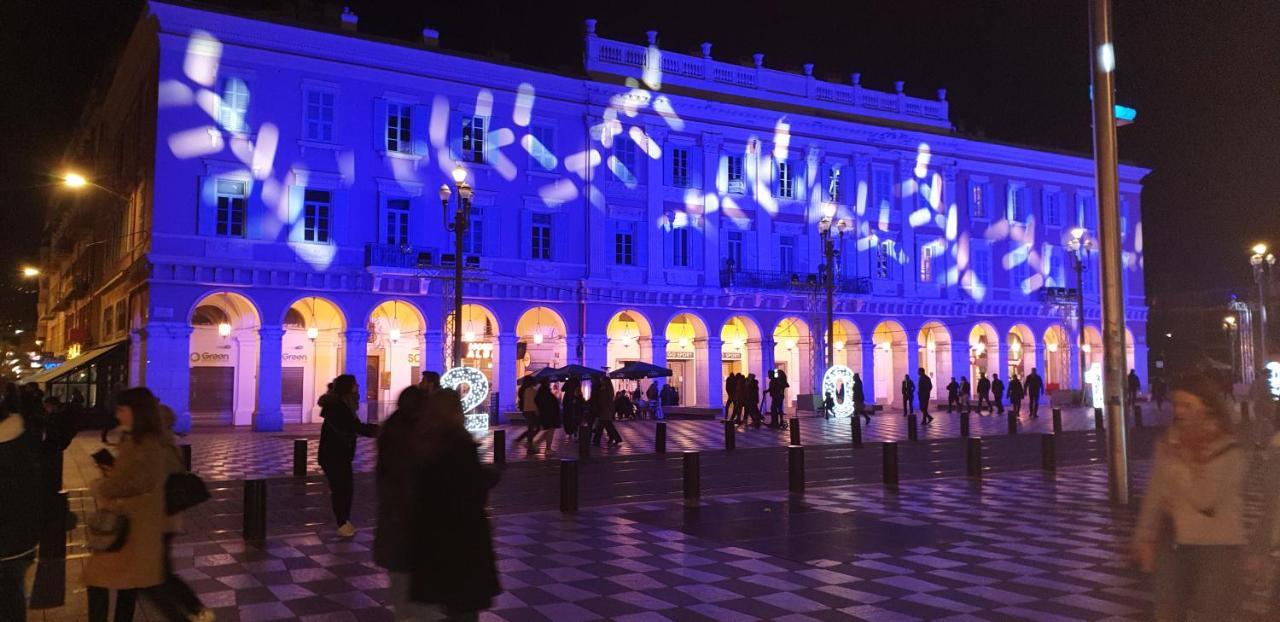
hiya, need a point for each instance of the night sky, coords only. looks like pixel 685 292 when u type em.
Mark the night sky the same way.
pixel 1204 77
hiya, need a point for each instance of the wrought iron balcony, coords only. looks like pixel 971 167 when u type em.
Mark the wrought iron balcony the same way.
pixel 764 279
pixel 391 256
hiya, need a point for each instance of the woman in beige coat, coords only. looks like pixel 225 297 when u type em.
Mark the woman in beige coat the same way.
pixel 1190 531
pixel 133 485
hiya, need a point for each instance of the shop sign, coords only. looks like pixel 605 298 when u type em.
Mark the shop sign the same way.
pixel 289 357
pixel 680 355
pixel 730 356
pixel 415 358
pixel 210 358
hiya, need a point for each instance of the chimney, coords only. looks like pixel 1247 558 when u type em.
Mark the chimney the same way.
pixel 430 38
pixel 349 19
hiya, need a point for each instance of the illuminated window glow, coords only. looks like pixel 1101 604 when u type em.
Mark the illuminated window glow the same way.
pixel 737 184
pixel 926 263
pixel 234 106
pixel 473 138
pixel 786 184
pixel 884 253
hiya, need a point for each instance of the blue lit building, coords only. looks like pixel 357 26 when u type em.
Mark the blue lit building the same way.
pixel 281 222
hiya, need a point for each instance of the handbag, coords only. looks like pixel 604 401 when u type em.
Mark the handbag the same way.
pixel 183 491
pixel 106 531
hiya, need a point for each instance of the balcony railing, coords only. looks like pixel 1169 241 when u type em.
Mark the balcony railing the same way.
pixel 764 279
pixel 391 256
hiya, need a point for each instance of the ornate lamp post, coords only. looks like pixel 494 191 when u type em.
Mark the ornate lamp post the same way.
pixel 1229 329
pixel 829 254
pixel 1080 244
pixel 1262 262
pixel 461 218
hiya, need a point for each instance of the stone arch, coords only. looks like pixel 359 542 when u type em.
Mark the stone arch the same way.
pixel 984 351
pixel 890 363
pixel 687 356
pixel 1057 358
pixel 313 348
pixel 793 353
pixel 630 338
pixel 933 345
pixel 224 349
pixel 1020 351
pixel 397 329
pixel 544 336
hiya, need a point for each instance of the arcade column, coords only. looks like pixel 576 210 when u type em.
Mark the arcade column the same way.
pixel 504 383
pixel 357 358
pixel 165 368
pixel 268 416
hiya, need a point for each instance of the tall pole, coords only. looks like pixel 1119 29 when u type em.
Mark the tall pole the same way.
pixel 1080 341
pixel 459 226
pixel 1102 60
pixel 1262 273
pixel 829 250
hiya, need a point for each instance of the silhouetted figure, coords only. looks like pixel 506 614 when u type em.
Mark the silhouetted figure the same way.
pixel 966 392
pixel 1016 393
pixel 20 519
pixel 395 476
pixel 997 393
pixel 777 391
pixel 548 409
pixel 623 408
pixel 529 409
pixel 602 404
pixel 1035 388
pixel 953 395
pixel 828 405
pixel 338 446
pixel 573 406
pixel 730 397
pixel 1134 386
pixel 1159 391
pixel 742 411
pixel 751 395
pixel 924 391
pixel 859 399
pixel 984 392
pixel 908 395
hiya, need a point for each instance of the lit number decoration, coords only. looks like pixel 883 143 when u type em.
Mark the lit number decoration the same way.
pixel 839 377
pixel 473 387
pixel 1274 381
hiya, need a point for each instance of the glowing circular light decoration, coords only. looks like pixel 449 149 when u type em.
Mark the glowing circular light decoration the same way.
pixel 836 378
pixel 473 388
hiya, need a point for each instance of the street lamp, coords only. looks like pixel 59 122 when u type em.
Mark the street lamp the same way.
pixel 461 217
pixel 829 253
pixel 1229 329
pixel 1262 262
pixel 76 181
pixel 30 272
pixel 1080 244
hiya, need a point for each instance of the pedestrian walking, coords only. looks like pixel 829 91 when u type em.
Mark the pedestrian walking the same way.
pixel 997 393
pixel 548 410
pixel 453 566
pixel 602 404
pixel 908 394
pixel 572 407
pixel 730 397
pixel 133 485
pixel 777 390
pixel 1159 392
pixel 1035 388
pixel 1190 531
pixel 924 391
pixel 338 446
pixel 1133 385
pixel 965 393
pixel 20 519
pixel 529 409
pixel 953 395
pixel 1016 393
pixel 751 396
pixel 984 392
pixel 395 477
pixel 859 399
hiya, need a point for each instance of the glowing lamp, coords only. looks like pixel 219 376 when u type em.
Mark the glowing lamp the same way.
pixel 445 193
pixel 312 333
pixel 394 335
pixel 1086 348
pixel 36 364
pixel 30 271
pixel 684 343
pixel 459 174
pixel 17 331
pixel 839 345
pixel 791 344
pixel 1077 233
pixel 468 336
pixel 74 180
pixel 537 338
pixel 1053 347
pixel 224 329
pixel 828 210
pixel 1260 249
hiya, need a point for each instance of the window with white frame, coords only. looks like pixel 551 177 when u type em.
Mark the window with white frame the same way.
pixel 833 184
pixel 319 115
pixel 680 251
pixel 926 263
pixel 542 139
pixel 624 244
pixel 396 226
pixel 734 250
pixel 787 254
pixel 624 165
pixel 1019 206
pixel 977 199
pixel 231 196
pixel 786 185
pixel 680 167
pixel 399 137
pixel 737 183
pixel 1087 212
pixel 317 208
pixel 233 110
pixel 881 191
pixel 473 138
pixel 540 244
pixel 1053 208
pixel 473 237
pixel 884 254
pixel 1055 267
pixel 980 265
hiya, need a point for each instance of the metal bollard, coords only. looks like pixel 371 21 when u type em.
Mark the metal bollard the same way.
pixel 255 510
pixel 795 430
pixel 973 457
pixel 692 475
pixel 730 441
pixel 584 442
pixel 1057 421
pixel 889 464
pixel 1137 416
pixel 1048 452
pixel 795 468
pixel 964 423
pixel 1097 419
pixel 186 457
pixel 855 424
pixel 299 457
pixel 568 485
pixel 499 447
pixel 1013 423
pixel 913 428
pixel 660 438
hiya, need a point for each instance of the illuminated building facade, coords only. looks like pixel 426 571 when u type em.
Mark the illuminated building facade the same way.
pixel 658 206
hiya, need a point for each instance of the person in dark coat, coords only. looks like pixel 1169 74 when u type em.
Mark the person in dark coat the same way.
pixel 1016 393
pixel 623 408
pixel 652 393
pixel 924 391
pixel 750 396
pixel 777 391
pixel 953 395
pixel 397 468
pixel 20 519
pixel 984 392
pixel 338 446
pixel 1134 386
pixel 908 395
pixel 602 405
pixel 573 407
pixel 548 408
pixel 997 393
pixel 859 398
pixel 1159 391
pixel 454 567
pixel 965 392
pixel 730 395
pixel 1035 388
pixel 527 398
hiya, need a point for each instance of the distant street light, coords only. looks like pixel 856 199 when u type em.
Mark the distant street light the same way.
pixel 30 272
pixel 77 181
pixel 1262 262
pixel 74 180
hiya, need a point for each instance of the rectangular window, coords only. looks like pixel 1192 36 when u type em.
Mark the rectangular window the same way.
pixel 473 237
pixel 1056 267
pixel 108 321
pixel 317 206
pixel 234 107
pixel 833 184
pixel 319 119
pixel 787 254
pixel 1087 212
pixel 231 198
pixel 122 315
pixel 786 185
pixel 977 200
pixel 624 153
pixel 926 263
pixel 624 244
pixel 541 236
pixel 542 146
pixel 735 249
pixel 1053 208
pixel 882 193
pixel 680 168
pixel 884 254
pixel 680 254
pixel 980 266
pixel 737 183
pixel 1019 208
pixel 398 135
pixel 473 138
pixel 396 232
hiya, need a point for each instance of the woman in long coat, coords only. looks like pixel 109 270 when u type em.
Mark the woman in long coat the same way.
pixel 134 486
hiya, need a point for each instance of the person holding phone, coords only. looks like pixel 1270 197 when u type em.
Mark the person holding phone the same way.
pixel 338 446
